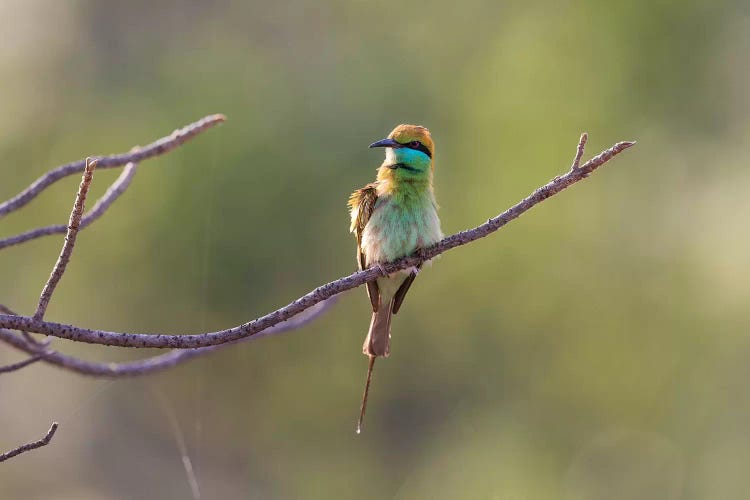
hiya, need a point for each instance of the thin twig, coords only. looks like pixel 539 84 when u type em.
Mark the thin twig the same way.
pixel 162 361
pixel 579 150
pixel 156 148
pixel 31 446
pixel 321 293
pixel 21 364
pixel 70 240
pixel 108 198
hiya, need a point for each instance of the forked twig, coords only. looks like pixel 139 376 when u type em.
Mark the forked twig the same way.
pixel 100 207
pixel 25 342
pixel 137 155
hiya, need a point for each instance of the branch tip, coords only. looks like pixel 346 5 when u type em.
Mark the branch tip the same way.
pixel 31 446
pixel 579 151
pixel 50 433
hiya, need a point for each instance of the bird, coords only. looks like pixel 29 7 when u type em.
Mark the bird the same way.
pixel 393 217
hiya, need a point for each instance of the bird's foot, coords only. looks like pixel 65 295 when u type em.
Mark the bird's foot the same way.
pixel 381 269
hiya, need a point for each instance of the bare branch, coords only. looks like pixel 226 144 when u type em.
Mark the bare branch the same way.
pixel 321 293
pixel 70 240
pixel 113 192
pixel 162 361
pixel 156 148
pixel 21 364
pixel 39 351
pixel 31 446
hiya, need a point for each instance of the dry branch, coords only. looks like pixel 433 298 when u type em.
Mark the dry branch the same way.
pixel 70 240
pixel 30 446
pixel 108 198
pixel 39 350
pixel 21 364
pixel 324 292
pixel 155 363
pixel 156 148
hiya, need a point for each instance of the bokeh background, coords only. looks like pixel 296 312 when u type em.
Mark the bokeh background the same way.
pixel 598 347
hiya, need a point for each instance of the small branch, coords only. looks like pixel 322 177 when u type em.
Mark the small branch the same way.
pixel 70 240
pixel 21 364
pixel 579 150
pixel 156 148
pixel 155 363
pixel 30 446
pixel 321 293
pixel 113 193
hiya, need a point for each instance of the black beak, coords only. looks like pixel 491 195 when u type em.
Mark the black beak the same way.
pixel 386 143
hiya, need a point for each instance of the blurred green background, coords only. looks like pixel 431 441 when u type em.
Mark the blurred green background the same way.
pixel 598 347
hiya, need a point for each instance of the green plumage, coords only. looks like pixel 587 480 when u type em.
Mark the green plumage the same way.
pixel 391 218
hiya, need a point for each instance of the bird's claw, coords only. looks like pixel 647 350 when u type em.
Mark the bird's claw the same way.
pixel 381 269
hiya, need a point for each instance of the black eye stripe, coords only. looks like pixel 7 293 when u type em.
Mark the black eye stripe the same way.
pixel 419 147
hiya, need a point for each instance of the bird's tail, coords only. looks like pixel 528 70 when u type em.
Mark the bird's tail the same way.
pixel 378 340
pixel 377 343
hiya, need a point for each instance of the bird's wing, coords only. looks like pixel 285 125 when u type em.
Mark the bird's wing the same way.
pixel 361 206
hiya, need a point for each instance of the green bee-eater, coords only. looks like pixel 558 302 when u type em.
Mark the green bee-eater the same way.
pixel 391 218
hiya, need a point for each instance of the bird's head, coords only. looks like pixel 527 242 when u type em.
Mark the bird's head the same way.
pixel 409 152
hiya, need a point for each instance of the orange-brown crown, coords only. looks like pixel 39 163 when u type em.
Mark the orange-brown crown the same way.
pixel 407 133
